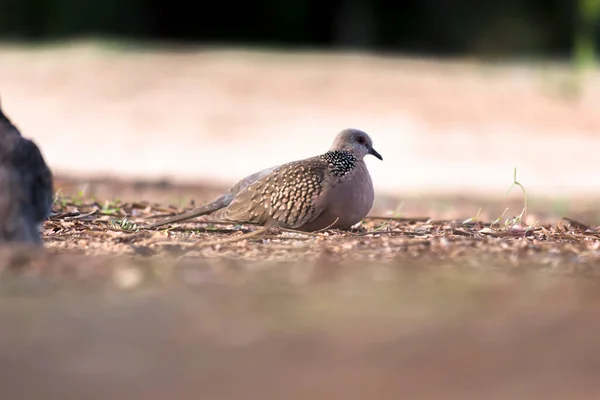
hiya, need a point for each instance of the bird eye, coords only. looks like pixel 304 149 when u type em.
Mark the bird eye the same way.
pixel 361 140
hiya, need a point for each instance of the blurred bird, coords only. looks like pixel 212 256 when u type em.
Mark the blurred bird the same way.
pixel 26 186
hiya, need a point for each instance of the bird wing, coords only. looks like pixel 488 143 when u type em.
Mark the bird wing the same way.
pixel 216 205
pixel 286 196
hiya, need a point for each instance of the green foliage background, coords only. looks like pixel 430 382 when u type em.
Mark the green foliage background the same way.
pixel 472 27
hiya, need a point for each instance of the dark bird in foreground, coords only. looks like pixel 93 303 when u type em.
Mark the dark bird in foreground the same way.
pixel 26 186
pixel 331 190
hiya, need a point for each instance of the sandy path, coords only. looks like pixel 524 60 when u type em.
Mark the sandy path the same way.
pixel 217 115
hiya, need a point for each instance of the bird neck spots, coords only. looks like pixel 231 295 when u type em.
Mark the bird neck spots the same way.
pixel 340 162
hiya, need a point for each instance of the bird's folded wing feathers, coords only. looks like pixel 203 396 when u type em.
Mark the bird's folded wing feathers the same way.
pixel 287 196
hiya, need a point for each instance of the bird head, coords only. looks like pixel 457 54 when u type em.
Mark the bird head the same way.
pixel 355 141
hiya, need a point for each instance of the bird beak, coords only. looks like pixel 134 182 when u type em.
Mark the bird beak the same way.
pixel 374 152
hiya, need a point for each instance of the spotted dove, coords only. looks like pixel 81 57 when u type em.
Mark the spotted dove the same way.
pixel 331 190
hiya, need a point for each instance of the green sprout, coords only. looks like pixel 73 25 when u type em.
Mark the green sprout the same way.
pixel 123 224
pixel 475 218
pixel 522 216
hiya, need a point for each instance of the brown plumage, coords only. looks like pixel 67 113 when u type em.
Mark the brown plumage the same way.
pixel 26 186
pixel 331 190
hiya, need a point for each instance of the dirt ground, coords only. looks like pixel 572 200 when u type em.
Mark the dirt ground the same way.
pixel 437 294
pixel 398 306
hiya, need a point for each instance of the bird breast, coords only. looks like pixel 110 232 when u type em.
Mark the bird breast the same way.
pixel 352 198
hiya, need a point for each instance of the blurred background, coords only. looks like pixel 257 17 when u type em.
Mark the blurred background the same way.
pixel 455 94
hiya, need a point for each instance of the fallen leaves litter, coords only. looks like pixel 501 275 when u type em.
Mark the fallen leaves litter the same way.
pixel 118 228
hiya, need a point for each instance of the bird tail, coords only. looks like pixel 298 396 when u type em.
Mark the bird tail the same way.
pixel 220 202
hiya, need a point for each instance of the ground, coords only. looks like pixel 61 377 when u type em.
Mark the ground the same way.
pixel 104 224
pixel 458 292
pixel 427 308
